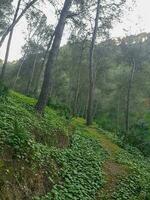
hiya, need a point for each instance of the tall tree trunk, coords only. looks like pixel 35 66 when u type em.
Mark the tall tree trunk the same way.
pixel 31 75
pixel 128 99
pixel 11 27
pixel 95 109
pixel 43 98
pixel 9 43
pixel 118 115
pixel 24 56
pixel 78 78
pixel 37 82
pixel 76 94
pixel 89 117
pixel 19 71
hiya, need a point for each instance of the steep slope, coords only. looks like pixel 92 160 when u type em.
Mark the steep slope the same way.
pixel 27 142
pixel 49 158
pixel 126 173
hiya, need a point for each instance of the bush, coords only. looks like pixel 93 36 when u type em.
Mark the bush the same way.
pixel 20 141
pixel 106 122
pixel 3 90
pixel 81 173
pixel 62 109
pixel 139 136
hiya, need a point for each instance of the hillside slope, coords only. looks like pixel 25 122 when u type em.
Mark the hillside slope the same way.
pixel 26 162
pixel 126 173
pixel 47 157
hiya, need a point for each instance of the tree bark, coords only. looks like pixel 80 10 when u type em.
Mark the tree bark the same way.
pixel 89 117
pixel 95 109
pixel 32 75
pixel 43 65
pixel 9 43
pixel 128 99
pixel 18 72
pixel 43 98
pixel 78 81
pixel 76 94
pixel 118 115
pixel 11 27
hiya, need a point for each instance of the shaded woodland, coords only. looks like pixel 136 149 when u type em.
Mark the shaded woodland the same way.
pixel 73 110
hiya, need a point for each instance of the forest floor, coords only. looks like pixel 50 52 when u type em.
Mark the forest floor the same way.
pixel 113 170
pixel 50 157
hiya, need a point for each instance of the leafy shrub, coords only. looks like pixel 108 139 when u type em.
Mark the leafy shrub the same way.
pixel 20 141
pixel 81 170
pixel 128 188
pixel 19 123
pixel 106 122
pixel 139 136
pixel 3 90
pixel 138 181
pixel 61 108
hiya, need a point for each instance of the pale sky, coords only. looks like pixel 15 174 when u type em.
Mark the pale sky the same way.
pixel 135 21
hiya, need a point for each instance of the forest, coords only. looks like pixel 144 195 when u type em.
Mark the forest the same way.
pixel 75 103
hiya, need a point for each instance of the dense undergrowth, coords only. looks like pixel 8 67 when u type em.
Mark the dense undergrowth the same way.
pixel 49 158
pixel 27 141
pixel 129 175
pixel 82 170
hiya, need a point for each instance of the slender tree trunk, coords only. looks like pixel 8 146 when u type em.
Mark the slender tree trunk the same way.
pixel 76 94
pixel 20 67
pixel 18 72
pixel 128 99
pixel 85 110
pixel 6 57
pixel 43 98
pixel 51 90
pixel 43 66
pixel 9 43
pixel 118 115
pixel 32 75
pixel 78 80
pixel 95 109
pixel 91 69
pixel 11 27
pixel 79 110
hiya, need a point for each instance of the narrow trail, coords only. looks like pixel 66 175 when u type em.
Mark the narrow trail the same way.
pixel 113 171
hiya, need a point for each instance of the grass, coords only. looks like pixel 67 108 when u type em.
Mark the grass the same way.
pixel 111 148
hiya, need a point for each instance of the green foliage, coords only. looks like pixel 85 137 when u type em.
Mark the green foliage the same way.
pixel 20 125
pixel 75 172
pixel 62 109
pixel 3 90
pixel 104 121
pixel 139 135
pixel 128 188
pixel 5 14
pixel 20 141
pixel 28 140
pixel 112 61
pixel 117 139
pixel 81 172
pixel 137 183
